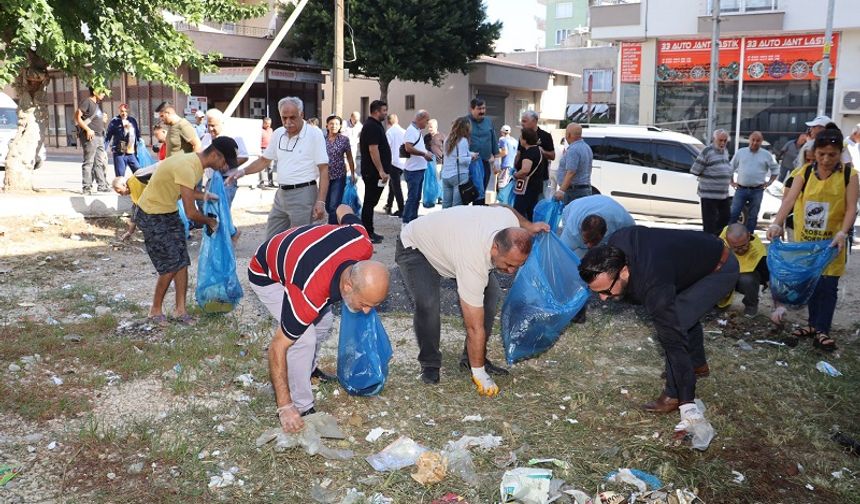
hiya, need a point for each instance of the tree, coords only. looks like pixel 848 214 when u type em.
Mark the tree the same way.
pixel 398 39
pixel 96 40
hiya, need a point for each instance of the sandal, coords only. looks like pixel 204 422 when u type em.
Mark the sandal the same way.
pixel 184 319
pixel 158 320
pixel 824 342
pixel 804 332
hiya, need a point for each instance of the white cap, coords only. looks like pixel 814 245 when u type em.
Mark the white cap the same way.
pixel 506 129
pixel 200 113
pixel 821 120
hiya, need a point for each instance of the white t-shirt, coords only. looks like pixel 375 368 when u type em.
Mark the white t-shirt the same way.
pixel 414 136
pixel 206 141
pixel 395 140
pixel 353 133
pixel 457 243
pixel 298 158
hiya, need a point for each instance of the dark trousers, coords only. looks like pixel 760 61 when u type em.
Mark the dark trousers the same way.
pixel 822 304
pixel 687 350
pixel 422 282
pixel 395 190
pixel 414 185
pixel 715 215
pixel 525 203
pixel 372 192
pixel 95 162
pixel 487 170
pixel 749 284
pixel 334 197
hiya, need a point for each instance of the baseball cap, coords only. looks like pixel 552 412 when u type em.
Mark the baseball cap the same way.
pixel 229 148
pixel 821 120
pixel 199 113
pixel 506 129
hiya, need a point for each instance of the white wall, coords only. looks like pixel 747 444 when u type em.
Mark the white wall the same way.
pixel 847 76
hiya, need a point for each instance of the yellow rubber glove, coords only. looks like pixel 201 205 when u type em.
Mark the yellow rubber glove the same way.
pixel 485 385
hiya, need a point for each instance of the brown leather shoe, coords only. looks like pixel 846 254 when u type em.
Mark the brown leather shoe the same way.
pixel 663 404
pixel 702 371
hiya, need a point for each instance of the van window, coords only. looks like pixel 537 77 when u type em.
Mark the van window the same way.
pixel 8 118
pixel 674 157
pixel 628 151
pixel 596 145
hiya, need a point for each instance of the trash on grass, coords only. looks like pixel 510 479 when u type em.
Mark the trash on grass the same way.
pixel 781 363
pixel 8 472
pixel 244 380
pixel 640 479
pixel 376 433
pixel 317 426
pixel 526 485
pixel 610 498
pixel 460 464
pixel 432 468
pixel 827 368
pixel 743 345
pixel 485 442
pixel 770 342
pixel 450 498
pixel 579 497
pixel 561 464
pixel 473 418
pixel 738 477
pixel 397 455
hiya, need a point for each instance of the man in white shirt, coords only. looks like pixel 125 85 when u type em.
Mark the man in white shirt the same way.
pixel 299 150
pixel 852 144
pixel 352 130
pixel 200 126
pixel 394 135
pixel 416 164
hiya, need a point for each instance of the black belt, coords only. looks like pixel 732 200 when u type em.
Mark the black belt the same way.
pixel 750 187
pixel 582 186
pixel 297 186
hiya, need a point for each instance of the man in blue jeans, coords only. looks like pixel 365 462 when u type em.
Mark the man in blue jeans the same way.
pixel 416 164
pixel 752 165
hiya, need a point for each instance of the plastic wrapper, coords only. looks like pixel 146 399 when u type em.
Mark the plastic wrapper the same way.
pixel 363 353
pixel 460 464
pixel 350 196
pixel 549 210
pixel 218 287
pixel 431 468
pixel 432 191
pixel 796 267
pixel 545 296
pixel 526 485
pixel 476 175
pixel 399 454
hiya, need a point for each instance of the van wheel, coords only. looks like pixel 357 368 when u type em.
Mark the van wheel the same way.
pixel 594 191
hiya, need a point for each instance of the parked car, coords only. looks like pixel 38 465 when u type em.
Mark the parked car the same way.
pixel 8 128
pixel 647 169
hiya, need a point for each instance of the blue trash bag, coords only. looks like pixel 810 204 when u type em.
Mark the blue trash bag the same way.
pixel 476 175
pixel 184 218
pixel 144 158
pixel 545 296
pixel 363 353
pixel 506 195
pixel 431 191
pixel 350 196
pixel 218 287
pixel 549 210
pixel 796 267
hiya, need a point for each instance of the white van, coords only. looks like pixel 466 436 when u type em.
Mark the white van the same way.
pixel 647 169
pixel 8 128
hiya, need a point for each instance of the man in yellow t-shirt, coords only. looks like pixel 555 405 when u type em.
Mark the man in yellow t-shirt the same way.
pixel 752 258
pixel 158 218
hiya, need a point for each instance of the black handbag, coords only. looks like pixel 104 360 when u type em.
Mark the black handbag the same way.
pixel 402 151
pixel 468 191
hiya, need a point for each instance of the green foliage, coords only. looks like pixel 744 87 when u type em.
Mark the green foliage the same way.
pixel 398 39
pixel 98 40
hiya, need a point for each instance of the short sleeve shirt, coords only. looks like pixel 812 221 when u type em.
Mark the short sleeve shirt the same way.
pixel 92 109
pixel 162 192
pixel 336 150
pixel 299 157
pixel 372 133
pixel 415 162
pixel 546 143
pixel 179 137
pixel 457 244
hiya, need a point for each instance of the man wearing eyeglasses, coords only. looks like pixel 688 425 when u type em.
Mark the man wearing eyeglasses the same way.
pixel 752 261
pixel 299 152
pixel 679 276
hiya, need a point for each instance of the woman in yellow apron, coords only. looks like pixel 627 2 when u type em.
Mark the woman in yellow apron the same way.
pixel 823 197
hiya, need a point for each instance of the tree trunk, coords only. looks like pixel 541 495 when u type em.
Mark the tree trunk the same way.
pixel 31 88
pixel 383 89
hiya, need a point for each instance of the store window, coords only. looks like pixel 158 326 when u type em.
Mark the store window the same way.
pixel 601 80
pixel 564 10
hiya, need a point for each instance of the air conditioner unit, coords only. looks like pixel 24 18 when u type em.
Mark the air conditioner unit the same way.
pixel 850 104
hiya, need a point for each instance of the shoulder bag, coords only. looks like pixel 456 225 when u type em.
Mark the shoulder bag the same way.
pixel 523 184
pixel 468 191
pixel 402 151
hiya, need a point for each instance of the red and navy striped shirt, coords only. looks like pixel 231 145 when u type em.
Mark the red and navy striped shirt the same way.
pixel 308 262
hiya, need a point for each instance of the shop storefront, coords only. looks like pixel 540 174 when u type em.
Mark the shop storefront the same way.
pixel 769 84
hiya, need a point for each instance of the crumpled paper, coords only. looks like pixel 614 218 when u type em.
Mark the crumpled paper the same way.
pixel 432 468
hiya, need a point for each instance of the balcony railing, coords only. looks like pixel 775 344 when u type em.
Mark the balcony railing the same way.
pixel 226 28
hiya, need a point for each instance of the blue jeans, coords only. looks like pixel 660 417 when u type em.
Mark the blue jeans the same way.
pixel 334 197
pixel 414 184
pixel 822 304
pixel 121 161
pixel 451 192
pixel 744 195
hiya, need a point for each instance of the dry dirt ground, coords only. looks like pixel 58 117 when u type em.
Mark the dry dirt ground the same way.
pixel 97 407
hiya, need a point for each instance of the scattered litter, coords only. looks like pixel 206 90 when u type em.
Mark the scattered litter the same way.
pixel 722 322
pixel 624 391
pixel 14 367
pixel 640 479
pixel 503 461
pixel 810 487
pixel 738 477
pixel 85 316
pixel 743 345
pixel 826 368
pixel 450 498
pixel 431 468
pixel 52 445
pixel 244 380
pixel 460 463
pixel 376 433
pixel 31 449
pixel 202 455
pixel 26 304
pixel 781 363
pixel 226 479
pixel 561 464
pixel 566 398
pixel 135 468
pixel 485 442
pixel 8 472
pixel 74 338
pixel 713 331
pixel 321 492
pixel 526 485
pixel 840 473
pixel 56 380
pixel 579 497
pixel 571 421
pixel 317 426
pixel 610 498
pixel 399 454
pixel 111 377
pixel 473 418
pixel 770 342
pixel 111 476
pixel 89 298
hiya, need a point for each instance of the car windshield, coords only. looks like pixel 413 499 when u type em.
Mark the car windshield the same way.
pixel 698 146
pixel 8 118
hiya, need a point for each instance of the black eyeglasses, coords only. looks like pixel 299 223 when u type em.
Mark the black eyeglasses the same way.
pixel 608 292
pixel 284 143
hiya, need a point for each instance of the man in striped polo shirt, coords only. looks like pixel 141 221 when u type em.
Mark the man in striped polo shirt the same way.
pixel 715 174
pixel 298 274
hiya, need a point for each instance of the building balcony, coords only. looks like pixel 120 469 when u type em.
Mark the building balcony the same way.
pixel 226 29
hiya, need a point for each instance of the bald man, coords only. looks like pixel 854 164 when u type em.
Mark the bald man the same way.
pixel 756 169
pixel 465 243
pixel 416 164
pixel 298 274
pixel 752 259
pixel 574 170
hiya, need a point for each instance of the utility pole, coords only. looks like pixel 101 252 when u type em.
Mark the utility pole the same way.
pixel 825 58
pixel 337 82
pixel 715 69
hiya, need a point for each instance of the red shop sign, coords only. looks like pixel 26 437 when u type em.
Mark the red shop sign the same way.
pixel 631 62
pixel 690 60
pixel 790 57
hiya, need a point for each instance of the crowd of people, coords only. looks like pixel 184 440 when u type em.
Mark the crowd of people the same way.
pixel 302 267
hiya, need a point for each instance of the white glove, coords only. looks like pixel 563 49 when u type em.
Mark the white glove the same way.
pixel 690 415
pixel 485 385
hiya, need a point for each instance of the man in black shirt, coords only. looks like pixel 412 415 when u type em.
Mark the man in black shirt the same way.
pixel 679 276
pixel 529 120
pixel 90 120
pixel 375 163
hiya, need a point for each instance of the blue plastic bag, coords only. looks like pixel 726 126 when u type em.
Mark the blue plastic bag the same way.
pixel 545 296
pixel 432 191
pixel 506 195
pixel 476 175
pixel 363 353
pixel 549 210
pixel 350 196
pixel 796 267
pixel 218 287
pixel 185 223
pixel 144 158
